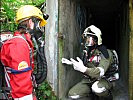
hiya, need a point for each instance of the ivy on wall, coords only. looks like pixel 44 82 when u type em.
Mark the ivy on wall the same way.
pixel 44 92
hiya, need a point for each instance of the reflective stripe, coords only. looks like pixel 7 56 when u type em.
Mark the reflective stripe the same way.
pixel 27 97
pixel 7 78
pixel 75 97
pixel 13 71
pixel 91 58
pixel 101 71
pixel 95 58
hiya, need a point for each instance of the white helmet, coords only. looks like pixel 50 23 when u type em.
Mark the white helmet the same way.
pixel 93 30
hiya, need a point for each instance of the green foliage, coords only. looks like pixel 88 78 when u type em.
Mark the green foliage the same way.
pixel 44 92
pixel 8 12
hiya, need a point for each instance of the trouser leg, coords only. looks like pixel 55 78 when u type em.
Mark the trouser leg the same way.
pixel 108 97
pixel 80 90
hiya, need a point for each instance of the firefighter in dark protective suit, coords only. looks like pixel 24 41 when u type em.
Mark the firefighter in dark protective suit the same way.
pixel 96 65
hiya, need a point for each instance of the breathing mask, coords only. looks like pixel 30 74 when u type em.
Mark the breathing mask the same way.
pixel 89 41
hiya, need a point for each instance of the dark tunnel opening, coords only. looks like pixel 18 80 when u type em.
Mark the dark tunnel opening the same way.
pixel 106 15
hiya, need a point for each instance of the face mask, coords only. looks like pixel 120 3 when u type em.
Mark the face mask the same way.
pixel 37 31
pixel 89 41
pixel 37 34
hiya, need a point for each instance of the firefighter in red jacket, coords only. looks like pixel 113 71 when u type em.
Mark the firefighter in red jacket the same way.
pixel 17 52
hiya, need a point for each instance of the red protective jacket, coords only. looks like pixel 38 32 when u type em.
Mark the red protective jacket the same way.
pixel 15 54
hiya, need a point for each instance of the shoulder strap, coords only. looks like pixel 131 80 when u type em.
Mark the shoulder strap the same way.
pixel 104 51
pixel 115 58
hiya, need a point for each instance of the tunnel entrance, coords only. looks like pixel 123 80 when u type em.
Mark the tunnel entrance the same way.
pixel 111 16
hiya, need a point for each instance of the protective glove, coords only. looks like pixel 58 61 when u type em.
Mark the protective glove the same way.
pixel 78 65
pixel 97 89
pixel 66 61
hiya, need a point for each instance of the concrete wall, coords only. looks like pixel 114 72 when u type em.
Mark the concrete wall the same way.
pixel 51 46
pixel 68 29
pixel 124 43
pixel 69 43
